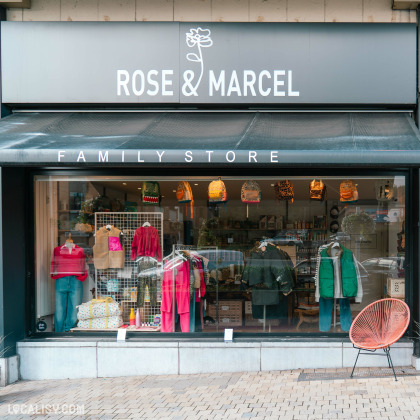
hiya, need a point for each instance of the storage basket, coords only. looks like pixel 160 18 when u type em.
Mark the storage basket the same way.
pixel 395 287
pixel 230 313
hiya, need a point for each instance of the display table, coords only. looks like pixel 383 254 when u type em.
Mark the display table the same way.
pixel 130 328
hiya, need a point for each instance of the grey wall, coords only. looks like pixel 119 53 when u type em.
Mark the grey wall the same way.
pixel 234 63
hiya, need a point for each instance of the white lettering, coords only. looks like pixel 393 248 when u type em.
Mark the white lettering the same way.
pixel 101 157
pixel 252 155
pixel 139 159
pixel 274 157
pixel 122 83
pixel 234 85
pixel 166 83
pixel 152 82
pixel 249 83
pixel 233 156
pixel 188 156
pixel 60 155
pixel 81 156
pixel 209 153
pixel 289 85
pixel 160 155
pixel 260 83
pixel 140 74
pixel 278 82
pixel 217 84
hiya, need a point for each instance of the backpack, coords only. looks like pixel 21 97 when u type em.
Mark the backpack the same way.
pixel 250 192
pixel 284 191
pixel 348 192
pixel 384 190
pixel 217 192
pixel 317 190
pixel 150 193
pixel 184 195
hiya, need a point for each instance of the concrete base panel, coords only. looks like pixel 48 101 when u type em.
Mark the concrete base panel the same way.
pixel 41 360
pixel 61 360
pixel 285 356
pixel 133 359
pixel 218 357
pixel 400 353
pixel 9 370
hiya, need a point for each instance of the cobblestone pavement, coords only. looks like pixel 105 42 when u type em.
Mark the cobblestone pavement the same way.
pixel 260 395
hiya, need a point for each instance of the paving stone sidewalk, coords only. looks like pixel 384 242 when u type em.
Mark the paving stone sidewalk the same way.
pixel 259 395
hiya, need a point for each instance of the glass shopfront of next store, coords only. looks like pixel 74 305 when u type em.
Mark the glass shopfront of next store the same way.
pixel 267 254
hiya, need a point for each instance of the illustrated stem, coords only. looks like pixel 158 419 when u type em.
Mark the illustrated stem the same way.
pixel 202 67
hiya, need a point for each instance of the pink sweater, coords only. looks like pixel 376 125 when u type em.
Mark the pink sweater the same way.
pixel 146 242
pixel 68 262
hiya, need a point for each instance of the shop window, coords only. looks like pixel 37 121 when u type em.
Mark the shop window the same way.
pixel 193 255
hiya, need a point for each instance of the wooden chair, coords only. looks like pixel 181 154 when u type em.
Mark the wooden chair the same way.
pixel 378 326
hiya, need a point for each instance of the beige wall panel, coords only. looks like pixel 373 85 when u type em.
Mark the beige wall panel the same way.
pixel 405 16
pixel 155 10
pixel 75 10
pixel 379 11
pixel 343 11
pixel 267 10
pixel 117 10
pixel 42 10
pixel 230 11
pixel 192 10
pixel 305 11
pixel 413 16
pixel 15 15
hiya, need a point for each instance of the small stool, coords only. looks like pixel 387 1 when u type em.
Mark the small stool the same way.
pixel 306 315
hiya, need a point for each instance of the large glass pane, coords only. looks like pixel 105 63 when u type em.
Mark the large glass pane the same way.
pixel 199 254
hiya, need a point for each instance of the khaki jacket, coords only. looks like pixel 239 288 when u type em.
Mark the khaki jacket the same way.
pixel 108 251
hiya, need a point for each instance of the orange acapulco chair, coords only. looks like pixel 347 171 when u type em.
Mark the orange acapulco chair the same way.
pixel 379 325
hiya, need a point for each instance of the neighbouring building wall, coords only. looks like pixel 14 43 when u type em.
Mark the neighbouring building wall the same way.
pixel 368 11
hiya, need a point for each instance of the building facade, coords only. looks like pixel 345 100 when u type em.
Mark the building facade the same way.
pixel 204 166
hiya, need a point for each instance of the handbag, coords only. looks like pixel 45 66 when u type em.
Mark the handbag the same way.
pixel 284 191
pixel 348 192
pixel 317 190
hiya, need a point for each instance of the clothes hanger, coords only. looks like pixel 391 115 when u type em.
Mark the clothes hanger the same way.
pixel 108 227
pixel 144 256
pixel 263 244
pixel 146 224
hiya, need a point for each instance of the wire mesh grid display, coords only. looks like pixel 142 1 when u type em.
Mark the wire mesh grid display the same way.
pixel 121 284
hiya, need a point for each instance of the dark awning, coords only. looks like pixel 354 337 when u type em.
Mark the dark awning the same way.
pixel 228 138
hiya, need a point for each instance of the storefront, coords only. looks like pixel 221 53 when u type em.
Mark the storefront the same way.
pixel 262 178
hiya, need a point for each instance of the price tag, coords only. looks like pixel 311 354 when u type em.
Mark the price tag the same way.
pixel 122 332
pixel 228 335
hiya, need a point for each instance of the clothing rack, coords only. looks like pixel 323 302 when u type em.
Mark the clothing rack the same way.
pixel 180 248
pixel 124 289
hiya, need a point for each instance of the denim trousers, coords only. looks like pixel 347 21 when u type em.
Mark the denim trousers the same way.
pixel 325 313
pixel 68 295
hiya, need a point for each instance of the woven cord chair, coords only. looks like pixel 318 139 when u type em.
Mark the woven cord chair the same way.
pixel 378 326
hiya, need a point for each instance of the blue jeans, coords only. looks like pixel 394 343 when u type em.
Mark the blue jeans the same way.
pixel 325 313
pixel 68 295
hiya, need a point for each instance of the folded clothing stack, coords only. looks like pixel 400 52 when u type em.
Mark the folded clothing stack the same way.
pixel 99 314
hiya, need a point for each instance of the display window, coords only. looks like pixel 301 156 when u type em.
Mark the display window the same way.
pixel 202 254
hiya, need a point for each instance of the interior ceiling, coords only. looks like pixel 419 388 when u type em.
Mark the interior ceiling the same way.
pixel 366 188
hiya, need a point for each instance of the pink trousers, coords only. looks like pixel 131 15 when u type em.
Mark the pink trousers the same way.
pixel 167 322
